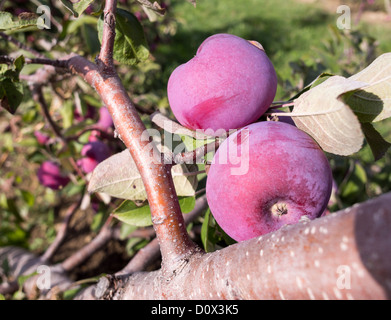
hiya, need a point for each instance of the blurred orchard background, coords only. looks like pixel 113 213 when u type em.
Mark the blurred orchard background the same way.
pixel 300 37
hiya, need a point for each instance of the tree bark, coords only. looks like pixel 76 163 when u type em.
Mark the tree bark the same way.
pixel 342 256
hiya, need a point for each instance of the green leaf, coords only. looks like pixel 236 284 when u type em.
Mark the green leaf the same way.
pixel 28 197
pixel 25 20
pixel 192 144
pixel 2 297
pixel 319 80
pixel 376 142
pixel 119 177
pixel 126 230
pixel 91 38
pixel 67 113
pixel 130 44
pixel 11 95
pixel 321 113
pixel 130 213
pixel 77 7
pixel 74 25
pixel 206 235
pixel 23 278
pixel 71 293
pixel 140 216
pixel 186 203
pixel 373 102
pixel 355 185
pixel 11 90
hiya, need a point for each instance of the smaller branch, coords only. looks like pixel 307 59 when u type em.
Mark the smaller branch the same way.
pixel 142 259
pixel 106 233
pixel 50 251
pixel 21 45
pixel 105 58
pixel 196 154
pixel 9 287
pixel 55 63
pixel 173 127
pixel 143 110
pixel 103 133
pixel 147 233
pixel 305 114
pixel 40 99
pixel 281 104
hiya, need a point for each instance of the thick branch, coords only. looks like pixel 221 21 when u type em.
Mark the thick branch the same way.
pixel 166 214
pixel 344 255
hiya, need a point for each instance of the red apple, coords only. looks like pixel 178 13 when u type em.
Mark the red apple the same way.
pixel 228 84
pixel 49 175
pixel 282 175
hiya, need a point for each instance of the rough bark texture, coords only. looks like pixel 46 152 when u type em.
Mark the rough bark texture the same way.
pixel 344 255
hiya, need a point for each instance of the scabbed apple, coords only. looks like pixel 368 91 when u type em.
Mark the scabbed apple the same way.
pixel 49 175
pixel 288 176
pixel 228 84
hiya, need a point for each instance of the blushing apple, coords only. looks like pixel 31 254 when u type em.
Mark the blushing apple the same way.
pixel 288 177
pixel 49 175
pixel 228 84
pixel 42 138
pixel 105 121
pixel 93 153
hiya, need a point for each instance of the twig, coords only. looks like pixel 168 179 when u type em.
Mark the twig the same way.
pixel 104 235
pixel 55 63
pixel 196 154
pixel 173 127
pixel 62 231
pixel 105 58
pixel 102 132
pixel 21 45
pixel 9 287
pixel 39 98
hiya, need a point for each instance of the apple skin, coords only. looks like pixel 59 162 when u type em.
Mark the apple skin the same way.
pixel 93 153
pixel 288 177
pixel 41 137
pixel 105 121
pixel 228 84
pixel 49 175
